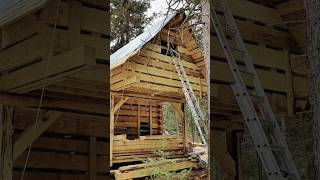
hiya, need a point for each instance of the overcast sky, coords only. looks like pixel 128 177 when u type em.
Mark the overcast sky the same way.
pixel 157 6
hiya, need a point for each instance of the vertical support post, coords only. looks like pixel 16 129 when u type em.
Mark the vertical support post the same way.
pixel 74 23
pixel 289 82
pixel 237 137
pixel 150 119
pixel 185 127
pixel 111 127
pixel 4 38
pixel 139 121
pixel 92 158
pixel 6 150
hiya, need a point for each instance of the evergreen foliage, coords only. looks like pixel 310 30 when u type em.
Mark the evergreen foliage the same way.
pixel 128 20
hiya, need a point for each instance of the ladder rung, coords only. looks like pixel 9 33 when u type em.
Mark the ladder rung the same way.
pixel 230 29
pixel 257 98
pixel 237 50
pixel 277 148
pixel 218 7
pixel 268 125
pixel 247 73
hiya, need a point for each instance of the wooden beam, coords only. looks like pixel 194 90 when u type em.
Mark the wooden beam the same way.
pixel 34 175
pixel 150 119
pixel 220 153
pixel 185 127
pixel 33 132
pixel 290 6
pixel 67 124
pixel 6 130
pixel 75 23
pixel 60 162
pixel 139 121
pixel 257 12
pixel 93 158
pixel 119 104
pixel 111 135
pixel 31 77
pixel 63 104
pixel 289 82
pixel 147 171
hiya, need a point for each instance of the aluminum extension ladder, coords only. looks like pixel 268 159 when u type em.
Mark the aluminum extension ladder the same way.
pixel 267 138
pixel 192 101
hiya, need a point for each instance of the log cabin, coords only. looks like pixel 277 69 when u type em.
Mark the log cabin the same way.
pixel 143 77
pixel 54 55
pixel 274 32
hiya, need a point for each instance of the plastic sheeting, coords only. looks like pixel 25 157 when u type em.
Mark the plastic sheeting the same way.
pixel 11 10
pixel 130 49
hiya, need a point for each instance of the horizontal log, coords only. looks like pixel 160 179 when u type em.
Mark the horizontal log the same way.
pixel 31 175
pixel 91 19
pixel 59 161
pixel 259 34
pixel 31 77
pixel 257 12
pixel 67 124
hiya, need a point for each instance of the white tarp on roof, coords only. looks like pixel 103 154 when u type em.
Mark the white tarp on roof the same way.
pixel 11 10
pixel 130 49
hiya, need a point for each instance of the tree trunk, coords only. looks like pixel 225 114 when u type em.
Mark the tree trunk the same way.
pixel 313 33
pixel 205 6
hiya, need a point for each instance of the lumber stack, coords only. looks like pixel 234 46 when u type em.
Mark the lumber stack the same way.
pixel 152 72
pixel 133 117
pixel 270 48
pixel 143 170
pixel 75 146
pixel 145 147
pixel 77 39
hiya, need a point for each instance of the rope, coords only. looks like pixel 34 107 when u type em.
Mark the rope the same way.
pixel 42 89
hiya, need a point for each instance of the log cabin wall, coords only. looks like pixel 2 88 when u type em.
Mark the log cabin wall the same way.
pixel 147 79
pixel 76 145
pixel 277 49
pixel 133 118
pixel 150 77
pixel 151 72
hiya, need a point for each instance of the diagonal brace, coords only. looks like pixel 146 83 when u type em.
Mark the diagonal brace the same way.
pixel 32 132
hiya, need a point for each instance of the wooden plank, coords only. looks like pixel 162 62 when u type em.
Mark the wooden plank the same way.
pixel 289 84
pixel 268 78
pixel 68 143
pixel 61 42
pixel 83 57
pixel 139 121
pixel 125 84
pixel 32 132
pixel 222 156
pixel 20 30
pixel 290 6
pixel 69 123
pixel 119 104
pixel 257 12
pixel 92 19
pixel 112 127
pixel 98 73
pixel 21 54
pixel 162 73
pixel 164 58
pixel 74 20
pixel 150 119
pixel 59 161
pixel 32 175
pixel 261 56
pixel 93 158
pixel 164 65
pixel 148 171
pixel 6 127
